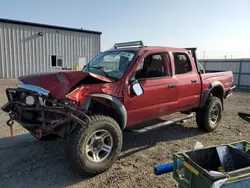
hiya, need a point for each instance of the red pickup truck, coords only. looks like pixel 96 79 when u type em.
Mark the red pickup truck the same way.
pixel 121 87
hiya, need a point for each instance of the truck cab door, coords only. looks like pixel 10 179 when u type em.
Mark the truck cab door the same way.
pixel 160 93
pixel 188 81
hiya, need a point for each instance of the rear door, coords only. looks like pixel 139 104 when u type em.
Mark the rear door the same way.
pixel 188 81
pixel 160 93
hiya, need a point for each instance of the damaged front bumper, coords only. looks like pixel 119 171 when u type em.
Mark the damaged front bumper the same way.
pixel 33 108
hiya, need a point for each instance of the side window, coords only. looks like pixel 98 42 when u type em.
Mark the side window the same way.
pixel 182 63
pixel 152 66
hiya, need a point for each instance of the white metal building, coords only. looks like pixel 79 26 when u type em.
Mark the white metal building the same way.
pixel 27 48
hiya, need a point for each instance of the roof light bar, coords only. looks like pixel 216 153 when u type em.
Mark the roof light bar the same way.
pixel 126 44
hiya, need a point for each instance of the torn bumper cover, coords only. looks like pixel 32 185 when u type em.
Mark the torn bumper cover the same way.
pixel 33 108
pixel 229 92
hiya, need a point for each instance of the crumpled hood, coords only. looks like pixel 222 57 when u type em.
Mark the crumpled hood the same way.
pixel 59 83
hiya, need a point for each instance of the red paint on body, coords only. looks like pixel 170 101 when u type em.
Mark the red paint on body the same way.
pixel 59 83
pixel 157 100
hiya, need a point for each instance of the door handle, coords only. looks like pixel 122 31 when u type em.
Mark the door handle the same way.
pixel 193 81
pixel 171 86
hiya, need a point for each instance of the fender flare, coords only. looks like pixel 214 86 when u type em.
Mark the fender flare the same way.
pixel 116 103
pixel 208 91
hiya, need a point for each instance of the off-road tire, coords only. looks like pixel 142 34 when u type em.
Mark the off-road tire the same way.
pixel 202 115
pixel 49 137
pixel 76 142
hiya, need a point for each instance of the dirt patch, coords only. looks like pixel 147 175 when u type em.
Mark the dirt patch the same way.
pixel 27 162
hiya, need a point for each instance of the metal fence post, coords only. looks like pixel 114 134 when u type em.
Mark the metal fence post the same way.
pixel 239 73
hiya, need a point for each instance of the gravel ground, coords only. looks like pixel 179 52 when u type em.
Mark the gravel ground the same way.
pixel 26 162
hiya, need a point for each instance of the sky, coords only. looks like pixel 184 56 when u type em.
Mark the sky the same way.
pixel 218 28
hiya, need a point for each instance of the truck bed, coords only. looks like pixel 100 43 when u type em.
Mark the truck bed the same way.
pixel 225 77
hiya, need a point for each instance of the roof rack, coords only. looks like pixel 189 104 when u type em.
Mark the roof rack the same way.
pixel 126 44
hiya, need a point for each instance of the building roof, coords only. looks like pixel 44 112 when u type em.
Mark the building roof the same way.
pixel 48 26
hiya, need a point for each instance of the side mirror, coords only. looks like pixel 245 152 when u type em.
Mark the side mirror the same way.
pixel 137 89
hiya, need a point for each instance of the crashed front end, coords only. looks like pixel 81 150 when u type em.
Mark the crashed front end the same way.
pixel 40 113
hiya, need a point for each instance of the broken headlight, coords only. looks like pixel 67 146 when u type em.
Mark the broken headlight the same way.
pixel 68 102
pixel 30 100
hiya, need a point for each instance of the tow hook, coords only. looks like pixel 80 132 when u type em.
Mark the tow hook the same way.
pixel 39 133
pixel 10 123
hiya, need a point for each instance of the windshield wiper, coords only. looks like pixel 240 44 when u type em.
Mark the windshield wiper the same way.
pixel 97 67
pixel 101 69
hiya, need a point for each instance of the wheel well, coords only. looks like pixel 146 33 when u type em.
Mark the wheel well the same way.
pixel 104 107
pixel 218 91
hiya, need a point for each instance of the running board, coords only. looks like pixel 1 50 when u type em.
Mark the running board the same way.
pixel 158 125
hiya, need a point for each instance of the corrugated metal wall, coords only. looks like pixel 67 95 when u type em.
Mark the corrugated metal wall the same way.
pixel 240 68
pixel 23 51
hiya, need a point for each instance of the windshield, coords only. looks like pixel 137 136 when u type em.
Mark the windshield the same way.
pixel 111 64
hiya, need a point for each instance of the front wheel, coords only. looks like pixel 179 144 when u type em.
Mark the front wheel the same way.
pixel 209 117
pixel 92 150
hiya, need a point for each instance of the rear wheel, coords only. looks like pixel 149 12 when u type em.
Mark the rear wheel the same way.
pixel 209 117
pixel 92 150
